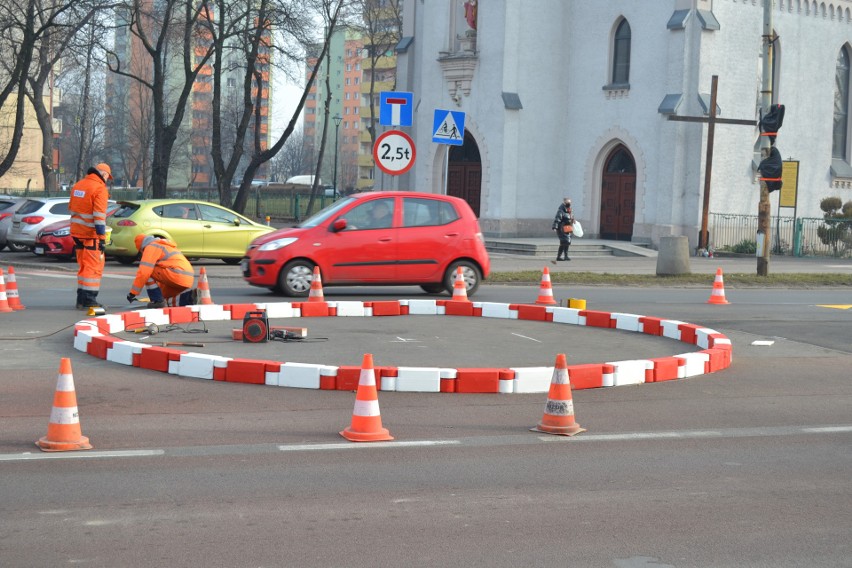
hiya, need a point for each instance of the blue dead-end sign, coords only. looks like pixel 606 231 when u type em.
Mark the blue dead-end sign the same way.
pixel 448 127
pixel 396 108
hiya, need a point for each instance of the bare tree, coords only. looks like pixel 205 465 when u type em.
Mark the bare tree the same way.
pixel 22 26
pixel 293 159
pixel 161 27
pixel 331 10
pixel 382 26
pixel 53 45
pixel 242 36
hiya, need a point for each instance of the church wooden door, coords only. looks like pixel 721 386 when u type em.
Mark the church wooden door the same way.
pixel 618 196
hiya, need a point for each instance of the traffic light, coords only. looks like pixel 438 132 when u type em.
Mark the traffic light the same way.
pixel 771 167
pixel 771 122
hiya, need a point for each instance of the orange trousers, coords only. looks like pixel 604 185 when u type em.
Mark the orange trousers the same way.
pixel 170 284
pixel 90 261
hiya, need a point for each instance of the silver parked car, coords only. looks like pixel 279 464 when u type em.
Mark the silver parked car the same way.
pixel 8 206
pixel 35 213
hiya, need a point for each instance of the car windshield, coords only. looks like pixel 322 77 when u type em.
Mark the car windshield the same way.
pixel 324 214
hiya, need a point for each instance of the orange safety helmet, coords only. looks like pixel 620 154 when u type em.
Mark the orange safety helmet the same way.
pixel 102 167
pixel 143 241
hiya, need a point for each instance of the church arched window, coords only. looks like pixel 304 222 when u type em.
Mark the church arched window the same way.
pixel 621 54
pixel 840 138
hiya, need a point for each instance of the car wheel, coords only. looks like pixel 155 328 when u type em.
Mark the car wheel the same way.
pixel 125 259
pixel 433 288
pixel 231 261
pixel 295 278
pixel 470 272
pixel 15 247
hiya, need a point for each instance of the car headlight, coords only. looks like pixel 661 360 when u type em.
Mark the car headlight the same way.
pixel 62 232
pixel 277 244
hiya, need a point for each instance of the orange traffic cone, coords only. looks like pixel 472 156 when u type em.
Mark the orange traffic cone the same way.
pixel 204 288
pixel 4 301
pixel 559 410
pixel 63 430
pixel 545 293
pixel 366 418
pixel 717 296
pixel 12 291
pixel 315 295
pixel 459 287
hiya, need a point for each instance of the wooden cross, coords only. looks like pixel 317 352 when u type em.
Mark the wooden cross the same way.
pixel 711 130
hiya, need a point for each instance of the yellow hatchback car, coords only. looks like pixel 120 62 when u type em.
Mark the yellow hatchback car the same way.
pixel 200 229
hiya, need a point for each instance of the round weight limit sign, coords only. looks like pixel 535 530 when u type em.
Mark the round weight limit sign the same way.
pixel 394 152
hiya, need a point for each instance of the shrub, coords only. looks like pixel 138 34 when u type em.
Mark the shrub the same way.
pixel 745 246
pixel 836 231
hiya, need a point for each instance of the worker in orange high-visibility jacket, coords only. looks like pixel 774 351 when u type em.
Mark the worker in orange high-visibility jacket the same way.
pixel 88 205
pixel 164 272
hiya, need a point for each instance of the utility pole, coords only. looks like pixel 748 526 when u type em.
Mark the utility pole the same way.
pixel 763 208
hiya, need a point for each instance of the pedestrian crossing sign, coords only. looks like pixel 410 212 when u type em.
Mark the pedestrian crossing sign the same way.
pixel 448 127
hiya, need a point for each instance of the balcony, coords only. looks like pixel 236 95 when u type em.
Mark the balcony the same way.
pixel 381 63
pixel 378 88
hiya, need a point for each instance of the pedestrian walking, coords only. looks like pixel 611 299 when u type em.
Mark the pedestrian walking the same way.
pixel 563 225
pixel 88 205
pixel 164 272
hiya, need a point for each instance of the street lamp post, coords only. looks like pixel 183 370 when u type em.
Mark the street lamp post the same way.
pixel 337 120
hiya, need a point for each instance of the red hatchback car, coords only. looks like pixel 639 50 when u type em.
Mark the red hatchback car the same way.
pixel 376 238
pixel 55 239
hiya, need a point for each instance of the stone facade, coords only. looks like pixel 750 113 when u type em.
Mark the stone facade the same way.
pixel 557 57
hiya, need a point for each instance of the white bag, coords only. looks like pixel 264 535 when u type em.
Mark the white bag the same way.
pixel 578 229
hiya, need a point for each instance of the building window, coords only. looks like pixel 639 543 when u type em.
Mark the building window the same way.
pixel 840 136
pixel 621 54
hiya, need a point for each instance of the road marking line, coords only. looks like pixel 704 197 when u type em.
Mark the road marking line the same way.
pixel 477 441
pixel 525 337
pixel 74 276
pixel 350 446
pixel 828 429
pixel 81 455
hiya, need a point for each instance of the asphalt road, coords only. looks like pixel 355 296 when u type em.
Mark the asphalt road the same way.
pixel 746 467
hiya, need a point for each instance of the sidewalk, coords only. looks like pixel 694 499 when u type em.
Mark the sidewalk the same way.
pixel 645 261
pixel 514 263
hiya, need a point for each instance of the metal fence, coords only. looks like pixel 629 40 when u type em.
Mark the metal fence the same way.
pixel 280 205
pixel 789 236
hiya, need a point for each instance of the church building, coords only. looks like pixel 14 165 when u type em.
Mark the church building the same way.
pixel 608 101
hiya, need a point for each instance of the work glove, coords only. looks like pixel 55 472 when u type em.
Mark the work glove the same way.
pixel 102 245
pixel 131 297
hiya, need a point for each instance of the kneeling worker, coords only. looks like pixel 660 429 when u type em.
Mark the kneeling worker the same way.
pixel 164 272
